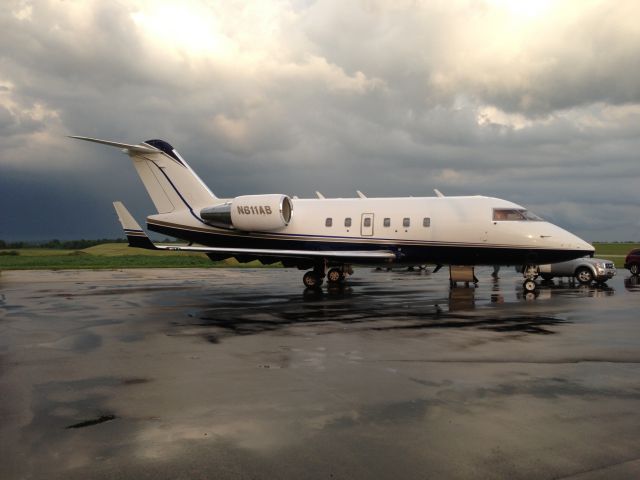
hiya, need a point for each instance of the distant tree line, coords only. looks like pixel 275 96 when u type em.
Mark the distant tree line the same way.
pixel 61 244
pixel 66 244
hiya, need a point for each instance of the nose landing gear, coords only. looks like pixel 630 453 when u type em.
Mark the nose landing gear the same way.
pixel 530 273
pixel 529 286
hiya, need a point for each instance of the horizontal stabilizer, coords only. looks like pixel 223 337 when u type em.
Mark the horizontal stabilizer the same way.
pixel 127 146
pixel 136 236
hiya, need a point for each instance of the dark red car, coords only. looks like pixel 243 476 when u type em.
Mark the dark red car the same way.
pixel 632 262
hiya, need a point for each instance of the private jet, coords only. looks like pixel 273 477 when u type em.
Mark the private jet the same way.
pixel 327 236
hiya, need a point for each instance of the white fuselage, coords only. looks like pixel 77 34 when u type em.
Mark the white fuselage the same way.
pixel 459 230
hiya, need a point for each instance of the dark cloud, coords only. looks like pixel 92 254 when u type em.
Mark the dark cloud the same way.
pixel 540 106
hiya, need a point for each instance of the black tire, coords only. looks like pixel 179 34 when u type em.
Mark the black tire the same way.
pixel 335 275
pixel 312 280
pixel 546 276
pixel 634 268
pixel 529 286
pixel 584 275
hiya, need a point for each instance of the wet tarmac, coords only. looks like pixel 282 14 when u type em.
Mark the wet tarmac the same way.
pixel 240 374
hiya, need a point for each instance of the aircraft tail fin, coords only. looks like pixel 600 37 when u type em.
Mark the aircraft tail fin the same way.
pixel 136 236
pixel 168 178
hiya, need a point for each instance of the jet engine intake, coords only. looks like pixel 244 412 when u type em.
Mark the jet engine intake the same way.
pixel 251 213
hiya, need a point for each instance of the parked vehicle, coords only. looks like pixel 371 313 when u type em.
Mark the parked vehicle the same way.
pixel 632 262
pixel 585 270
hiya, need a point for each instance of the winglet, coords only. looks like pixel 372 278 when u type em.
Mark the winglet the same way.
pixel 136 236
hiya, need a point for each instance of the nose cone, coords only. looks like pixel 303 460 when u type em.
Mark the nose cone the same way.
pixel 582 245
pixel 563 240
pixel 573 242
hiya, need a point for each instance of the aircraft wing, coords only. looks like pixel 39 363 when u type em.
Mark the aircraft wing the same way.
pixel 263 252
pixel 138 238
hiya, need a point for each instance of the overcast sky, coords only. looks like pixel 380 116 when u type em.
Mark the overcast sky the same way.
pixel 536 102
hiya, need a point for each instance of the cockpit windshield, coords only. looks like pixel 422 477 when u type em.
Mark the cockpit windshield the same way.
pixel 514 214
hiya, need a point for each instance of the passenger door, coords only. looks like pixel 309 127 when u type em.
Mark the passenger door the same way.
pixel 366 225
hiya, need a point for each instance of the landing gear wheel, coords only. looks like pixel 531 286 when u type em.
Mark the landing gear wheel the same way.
pixel 312 280
pixel 529 286
pixel 634 268
pixel 584 275
pixel 335 275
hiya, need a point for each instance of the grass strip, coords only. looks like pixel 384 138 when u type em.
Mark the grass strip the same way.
pixel 117 255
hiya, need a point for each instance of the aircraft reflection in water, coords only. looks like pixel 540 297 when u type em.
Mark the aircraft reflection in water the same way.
pixel 548 289
pixel 373 307
pixel 463 298
pixel 334 234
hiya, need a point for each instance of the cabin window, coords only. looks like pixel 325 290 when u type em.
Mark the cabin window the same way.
pixel 347 222
pixel 406 222
pixel 426 222
pixel 386 222
pixel 367 222
pixel 328 222
pixel 513 215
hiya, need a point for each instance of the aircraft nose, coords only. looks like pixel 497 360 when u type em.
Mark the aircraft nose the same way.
pixel 563 239
pixel 576 243
pixel 582 245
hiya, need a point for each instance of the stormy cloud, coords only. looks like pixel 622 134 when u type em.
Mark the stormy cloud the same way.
pixel 535 102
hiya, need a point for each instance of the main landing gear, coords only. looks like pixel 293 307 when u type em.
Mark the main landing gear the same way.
pixel 530 273
pixel 335 275
pixel 312 279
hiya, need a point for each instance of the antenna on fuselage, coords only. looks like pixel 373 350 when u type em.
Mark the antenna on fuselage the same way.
pixel 438 193
pixel 360 194
pixel 319 195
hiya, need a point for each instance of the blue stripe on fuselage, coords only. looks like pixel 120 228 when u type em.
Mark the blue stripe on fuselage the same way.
pixel 461 254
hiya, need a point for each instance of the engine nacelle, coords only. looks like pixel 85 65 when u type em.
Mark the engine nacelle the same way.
pixel 251 213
